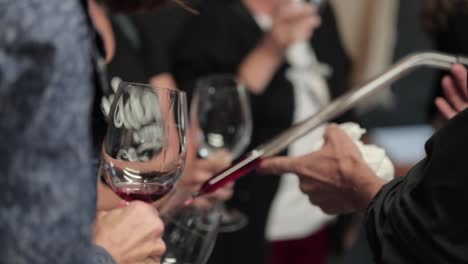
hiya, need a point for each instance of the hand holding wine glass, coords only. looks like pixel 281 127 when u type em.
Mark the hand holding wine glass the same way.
pixel 143 157
pixel 201 170
pixel 132 234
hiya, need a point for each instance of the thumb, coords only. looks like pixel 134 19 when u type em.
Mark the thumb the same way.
pixel 278 165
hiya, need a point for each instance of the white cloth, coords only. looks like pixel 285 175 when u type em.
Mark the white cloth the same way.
pixel 292 216
pixel 374 156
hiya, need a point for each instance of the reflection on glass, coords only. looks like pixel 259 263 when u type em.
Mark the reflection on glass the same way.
pixel 145 146
pixel 190 236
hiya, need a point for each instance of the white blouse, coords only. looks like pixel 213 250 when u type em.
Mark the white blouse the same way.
pixel 292 216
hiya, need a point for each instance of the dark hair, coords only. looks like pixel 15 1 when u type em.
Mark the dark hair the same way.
pixel 435 13
pixel 131 6
pixel 134 6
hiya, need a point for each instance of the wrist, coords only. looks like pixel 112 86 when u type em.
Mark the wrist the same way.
pixel 273 46
pixel 363 181
pixel 367 187
pixel 99 243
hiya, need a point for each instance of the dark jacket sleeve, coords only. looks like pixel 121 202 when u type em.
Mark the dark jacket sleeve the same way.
pixel 47 187
pixel 422 218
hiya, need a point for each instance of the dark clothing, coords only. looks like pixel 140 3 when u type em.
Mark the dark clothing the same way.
pixel 126 65
pixel 48 188
pixel 302 251
pixel 422 218
pixel 158 32
pixel 454 37
pixel 216 42
pixel 451 39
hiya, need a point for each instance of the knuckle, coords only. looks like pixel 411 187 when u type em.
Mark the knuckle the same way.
pixel 348 165
pixel 160 248
pixel 158 227
pixel 332 126
pixel 332 129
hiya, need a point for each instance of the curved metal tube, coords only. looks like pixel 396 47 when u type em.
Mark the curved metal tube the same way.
pixel 357 95
pixel 335 108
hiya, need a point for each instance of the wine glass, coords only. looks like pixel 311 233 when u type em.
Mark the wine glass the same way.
pixel 144 150
pixel 143 155
pixel 221 117
pixel 190 236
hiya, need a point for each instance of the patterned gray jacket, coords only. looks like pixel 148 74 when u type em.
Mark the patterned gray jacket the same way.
pixel 47 186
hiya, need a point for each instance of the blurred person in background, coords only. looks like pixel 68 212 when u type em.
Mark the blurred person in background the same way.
pixel 290 75
pixel 51 61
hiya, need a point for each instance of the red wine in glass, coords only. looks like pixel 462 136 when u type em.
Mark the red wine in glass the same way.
pixel 142 192
pixel 144 197
pixel 147 187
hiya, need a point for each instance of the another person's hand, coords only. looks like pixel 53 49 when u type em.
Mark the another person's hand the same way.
pixel 132 234
pixel 293 22
pixel 336 178
pixel 455 90
pixel 201 170
pixel 208 201
pixel 198 171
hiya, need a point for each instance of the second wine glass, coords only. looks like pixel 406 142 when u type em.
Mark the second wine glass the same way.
pixel 221 117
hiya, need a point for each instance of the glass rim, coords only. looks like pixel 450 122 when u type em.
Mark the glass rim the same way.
pixel 151 87
pixel 206 81
pixel 218 76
